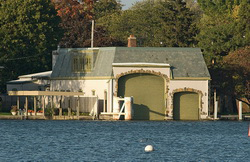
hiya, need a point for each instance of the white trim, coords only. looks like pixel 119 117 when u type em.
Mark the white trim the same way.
pixel 140 64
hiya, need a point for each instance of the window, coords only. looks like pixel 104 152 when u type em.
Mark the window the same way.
pixel 83 60
pixel 88 63
pixel 75 64
pixel 82 63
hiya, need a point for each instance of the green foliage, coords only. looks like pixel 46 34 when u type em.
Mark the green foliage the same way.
pixel 5 113
pixel 155 23
pixel 224 28
pixel 211 7
pixel 105 8
pixel 238 64
pixel 49 111
pixel 28 33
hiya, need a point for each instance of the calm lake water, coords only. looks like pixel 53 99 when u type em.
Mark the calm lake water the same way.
pixel 123 141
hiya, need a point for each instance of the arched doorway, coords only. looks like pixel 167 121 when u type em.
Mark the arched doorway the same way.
pixel 148 93
pixel 186 106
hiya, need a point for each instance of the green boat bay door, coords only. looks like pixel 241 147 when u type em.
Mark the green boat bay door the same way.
pixel 148 93
pixel 186 106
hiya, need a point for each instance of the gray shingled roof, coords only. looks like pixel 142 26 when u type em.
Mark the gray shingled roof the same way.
pixel 102 67
pixel 185 62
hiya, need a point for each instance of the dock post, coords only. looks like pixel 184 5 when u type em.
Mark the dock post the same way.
pixel 128 108
pixel 116 108
pixel 240 110
pixel 215 110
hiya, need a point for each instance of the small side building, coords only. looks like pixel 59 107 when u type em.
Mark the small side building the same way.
pixel 37 81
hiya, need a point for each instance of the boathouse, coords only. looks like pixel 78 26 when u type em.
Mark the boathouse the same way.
pixel 165 83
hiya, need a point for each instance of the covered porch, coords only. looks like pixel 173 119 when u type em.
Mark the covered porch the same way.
pixel 49 94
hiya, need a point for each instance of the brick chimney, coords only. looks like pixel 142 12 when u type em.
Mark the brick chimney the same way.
pixel 131 41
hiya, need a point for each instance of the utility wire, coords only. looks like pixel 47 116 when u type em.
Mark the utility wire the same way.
pixel 20 58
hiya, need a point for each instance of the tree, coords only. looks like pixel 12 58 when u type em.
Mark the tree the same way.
pixel 105 8
pixel 224 28
pixel 238 64
pixel 28 33
pixel 76 22
pixel 155 23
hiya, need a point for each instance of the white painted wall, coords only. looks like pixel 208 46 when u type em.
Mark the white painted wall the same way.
pixel 85 86
pixel 101 85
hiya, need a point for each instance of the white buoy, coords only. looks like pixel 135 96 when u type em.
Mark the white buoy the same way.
pixel 149 148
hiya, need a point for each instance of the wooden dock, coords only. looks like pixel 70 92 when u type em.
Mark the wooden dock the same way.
pixel 40 117
pixel 234 117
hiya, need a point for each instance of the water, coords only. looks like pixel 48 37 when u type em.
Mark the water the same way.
pixel 123 141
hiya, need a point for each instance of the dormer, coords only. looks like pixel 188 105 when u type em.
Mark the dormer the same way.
pixel 83 61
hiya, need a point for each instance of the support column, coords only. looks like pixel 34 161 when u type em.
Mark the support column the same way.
pixel 26 105
pixel 51 105
pixel 60 107
pixel 69 108
pixel 111 95
pixel 78 107
pixel 240 110
pixel 104 101
pixel 18 105
pixel 116 108
pixel 128 108
pixel 43 103
pixel 35 105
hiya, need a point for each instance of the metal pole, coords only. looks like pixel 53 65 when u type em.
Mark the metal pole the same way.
pixel 92 34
